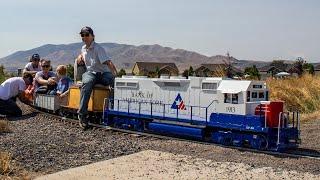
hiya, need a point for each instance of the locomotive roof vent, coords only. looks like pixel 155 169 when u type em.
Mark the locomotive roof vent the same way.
pixel 164 77
pixel 215 78
pixel 122 84
pixel 177 77
pixel 134 77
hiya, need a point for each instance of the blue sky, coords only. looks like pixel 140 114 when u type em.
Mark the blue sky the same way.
pixel 248 29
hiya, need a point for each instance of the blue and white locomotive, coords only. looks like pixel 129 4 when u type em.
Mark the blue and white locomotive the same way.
pixel 229 112
pixel 224 111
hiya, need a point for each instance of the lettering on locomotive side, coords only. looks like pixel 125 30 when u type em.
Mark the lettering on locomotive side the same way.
pixel 142 97
pixel 135 100
pixel 231 109
pixel 140 94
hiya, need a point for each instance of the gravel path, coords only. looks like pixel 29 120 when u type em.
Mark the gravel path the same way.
pixel 42 145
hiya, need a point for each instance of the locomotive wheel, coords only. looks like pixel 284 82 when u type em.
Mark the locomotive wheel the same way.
pixel 61 113
pixel 207 135
pixel 246 143
pixel 263 142
pixel 227 140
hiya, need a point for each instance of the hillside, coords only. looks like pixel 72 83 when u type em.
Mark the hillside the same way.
pixel 124 56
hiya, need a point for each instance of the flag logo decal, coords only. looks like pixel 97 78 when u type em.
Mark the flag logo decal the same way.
pixel 178 103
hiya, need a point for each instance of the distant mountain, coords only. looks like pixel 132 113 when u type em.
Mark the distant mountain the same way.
pixel 124 56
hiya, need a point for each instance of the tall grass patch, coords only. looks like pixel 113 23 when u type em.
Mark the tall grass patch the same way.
pixel 5 161
pixel 299 94
pixel 4 126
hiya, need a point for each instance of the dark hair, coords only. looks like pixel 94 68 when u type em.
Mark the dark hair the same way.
pixel 47 61
pixel 28 76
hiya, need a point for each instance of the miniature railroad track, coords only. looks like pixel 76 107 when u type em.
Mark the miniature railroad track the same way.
pixel 290 154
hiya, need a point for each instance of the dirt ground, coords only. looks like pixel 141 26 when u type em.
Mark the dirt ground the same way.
pixel 160 165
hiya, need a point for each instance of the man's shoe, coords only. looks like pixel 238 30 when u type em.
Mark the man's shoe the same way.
pixel 83 122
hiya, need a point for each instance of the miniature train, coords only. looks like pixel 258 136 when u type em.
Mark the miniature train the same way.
pixel 224 111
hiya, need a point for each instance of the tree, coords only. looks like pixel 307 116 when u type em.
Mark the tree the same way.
pixel 252 72
pixel 191 71
pixel 2 74
pixel 279 64
pixel 228 70
pixel 185 73
pixel 307 67
pixel 157 72
pixel 121 73
pixel 70 71
pixel 311 69
pixel 207 73
pixel 298 65
pixel 188 72
pixel 153 74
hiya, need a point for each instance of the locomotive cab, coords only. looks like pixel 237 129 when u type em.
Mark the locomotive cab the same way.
pixel 244 106
pixel 236 97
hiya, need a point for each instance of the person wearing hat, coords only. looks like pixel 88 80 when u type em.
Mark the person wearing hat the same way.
pixel 9 90
pixel 99 70
pixel 33 66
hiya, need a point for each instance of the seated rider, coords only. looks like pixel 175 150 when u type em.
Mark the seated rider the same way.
pixel 33 66
pixel 45 80
pixel 92 56
pixel 64 82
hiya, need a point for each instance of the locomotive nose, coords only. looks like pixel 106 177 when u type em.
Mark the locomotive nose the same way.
pixel 271 111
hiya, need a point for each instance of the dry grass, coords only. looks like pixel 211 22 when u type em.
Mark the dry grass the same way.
pixel 5 161
pixel 4 126
pixel 299 94
pixel 310 116
pixel 9 171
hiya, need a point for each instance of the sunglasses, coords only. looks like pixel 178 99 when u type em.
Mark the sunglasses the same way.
pixel 45 66
pixel 85 35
